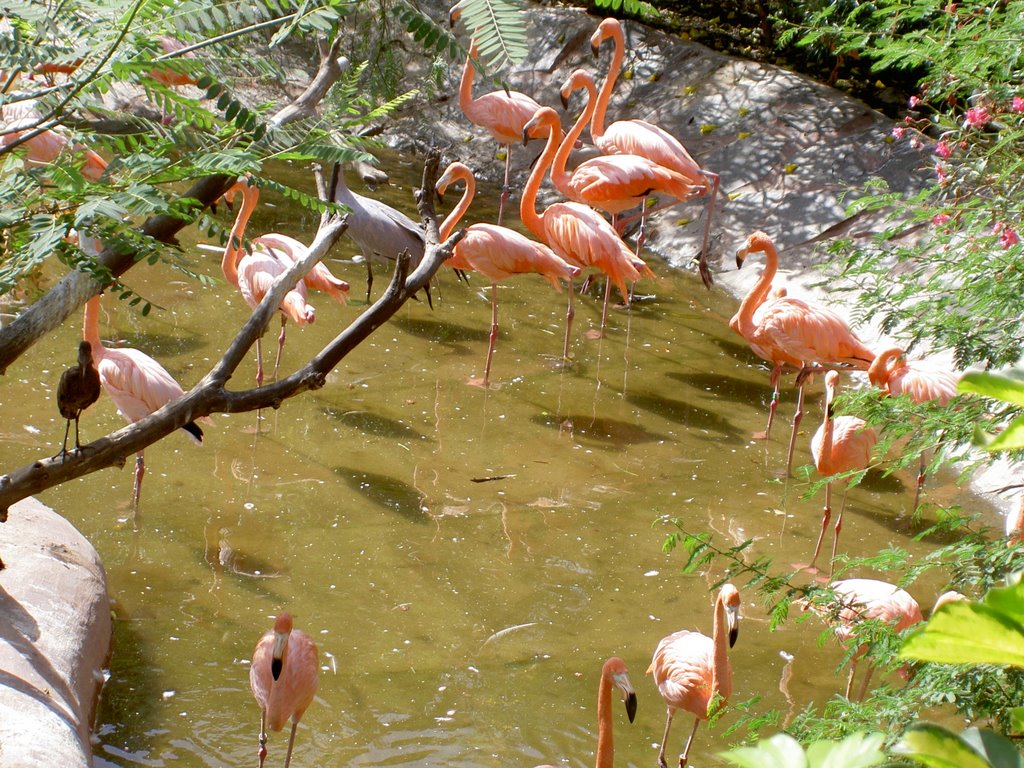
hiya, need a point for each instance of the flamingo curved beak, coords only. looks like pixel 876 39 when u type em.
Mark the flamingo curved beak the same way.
pixel 277 657
pixel 625 686
pixel 732 620
pixel 741 255
pixel 564 99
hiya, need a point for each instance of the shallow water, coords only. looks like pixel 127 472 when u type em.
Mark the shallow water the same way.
pixel 465 558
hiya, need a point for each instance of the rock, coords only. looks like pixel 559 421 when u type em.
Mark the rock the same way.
pixel 56 629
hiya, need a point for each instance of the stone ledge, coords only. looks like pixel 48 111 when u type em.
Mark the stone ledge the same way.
pixel 55 636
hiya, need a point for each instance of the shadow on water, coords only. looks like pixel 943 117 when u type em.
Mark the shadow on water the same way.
pixel 685 414
pixel 442 332
pixel 387 492
pixel 372 423
pixel 611 433
pixel 170 346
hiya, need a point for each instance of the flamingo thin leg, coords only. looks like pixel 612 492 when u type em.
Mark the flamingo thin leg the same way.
pixel 369 278
pixel 839 527
pixel 291 743
pixel 664 738
pixel 140 470
pixel 505 187
pixel 259 363
pixel 824 523
pixel 570 313
pixel 865 681
pixel 686 750
pixel 849 679
pixel 796 425
pixel 492 341
pixel 262 751
pixel 774 379
pixel 604 308
pixel 280 348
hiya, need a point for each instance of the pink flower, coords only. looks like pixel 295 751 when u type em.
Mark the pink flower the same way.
pixel 913 101
pixel 1018 104
pixel 942 150
pixel 898 131
pixel 1007 235
pixel 916 143
pixel 940 218
pixel 940 171
pixel 976 117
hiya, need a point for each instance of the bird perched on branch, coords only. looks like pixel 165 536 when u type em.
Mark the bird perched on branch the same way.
pixel 78 388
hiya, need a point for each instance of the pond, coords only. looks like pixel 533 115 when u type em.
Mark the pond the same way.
pixel 465 558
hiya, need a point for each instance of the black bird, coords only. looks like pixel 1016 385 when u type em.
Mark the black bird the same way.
pixel 79 388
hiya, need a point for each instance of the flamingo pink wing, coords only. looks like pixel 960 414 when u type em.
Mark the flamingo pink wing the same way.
pixel 638 137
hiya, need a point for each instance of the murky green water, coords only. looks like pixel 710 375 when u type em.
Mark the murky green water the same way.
pixel 466 559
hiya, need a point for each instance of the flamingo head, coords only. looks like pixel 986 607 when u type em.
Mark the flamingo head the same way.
pixel 544 121
pixel 615 670
pixel 757 242
pixel 881 370
pixel 951 596
pixel 454 172
pixel 578 79
pixel 605 29
pixel 730 598
pixel 282 630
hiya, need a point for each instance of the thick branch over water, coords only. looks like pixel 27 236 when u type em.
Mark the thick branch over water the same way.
pixel 211 395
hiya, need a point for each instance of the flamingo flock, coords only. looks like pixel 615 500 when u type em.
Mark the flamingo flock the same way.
pixel 692 672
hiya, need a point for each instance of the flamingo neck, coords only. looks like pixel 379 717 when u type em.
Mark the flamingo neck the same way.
pixel 880 370
pixel 229 263
pixel 559 176
pixel 528 202
pixel 759 291
pixel 598 118
pixel 466 83
pixel 827 427
pixel 448 225
pixel 720 639
pixel 91 326
pixel 605 741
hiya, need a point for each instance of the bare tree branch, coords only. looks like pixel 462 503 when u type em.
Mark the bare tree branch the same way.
pixel 68 295
pixel 210 394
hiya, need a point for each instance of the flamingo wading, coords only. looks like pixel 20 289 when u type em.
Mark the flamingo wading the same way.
pixel 639 137
pixel 496 252
pixel 283 678
pixel 841 444
pixel 787 329
pixel 692 670
pixel 136 383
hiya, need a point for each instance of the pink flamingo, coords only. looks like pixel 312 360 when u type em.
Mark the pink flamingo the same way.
pixel 20 117
pixel 841 444
pixel 788 329
pixel 136 383
pixel 503 113
pixel 613 673
pixel 921 380
pixel 692 671
pixel 639 137
pixel 574 231
pixel 254 273
pixel 283 678
pixel 496 252
pixel 1015 524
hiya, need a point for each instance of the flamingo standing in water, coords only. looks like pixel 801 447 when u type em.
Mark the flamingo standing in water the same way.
pixel 503 113
pixel 841 444
pixel 692 670
pixel 613 673
pixel 574 231
pixel 283 678
pixel 788 329
pixel 495 251
pixel 78 388
pixel 253 274
pixel 20 117
pixel 136 383
pixel 639 137
pixel 922 381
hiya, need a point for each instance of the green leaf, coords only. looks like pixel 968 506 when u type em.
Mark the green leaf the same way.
pixel 1017 720
pixel 1010 439
pixel 859 750
pixel 997 749
pixel 1007 386
pixel 780 751
pixel 936 747
pixel 968 633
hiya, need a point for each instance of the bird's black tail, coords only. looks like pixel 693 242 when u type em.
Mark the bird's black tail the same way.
pixel 193 429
